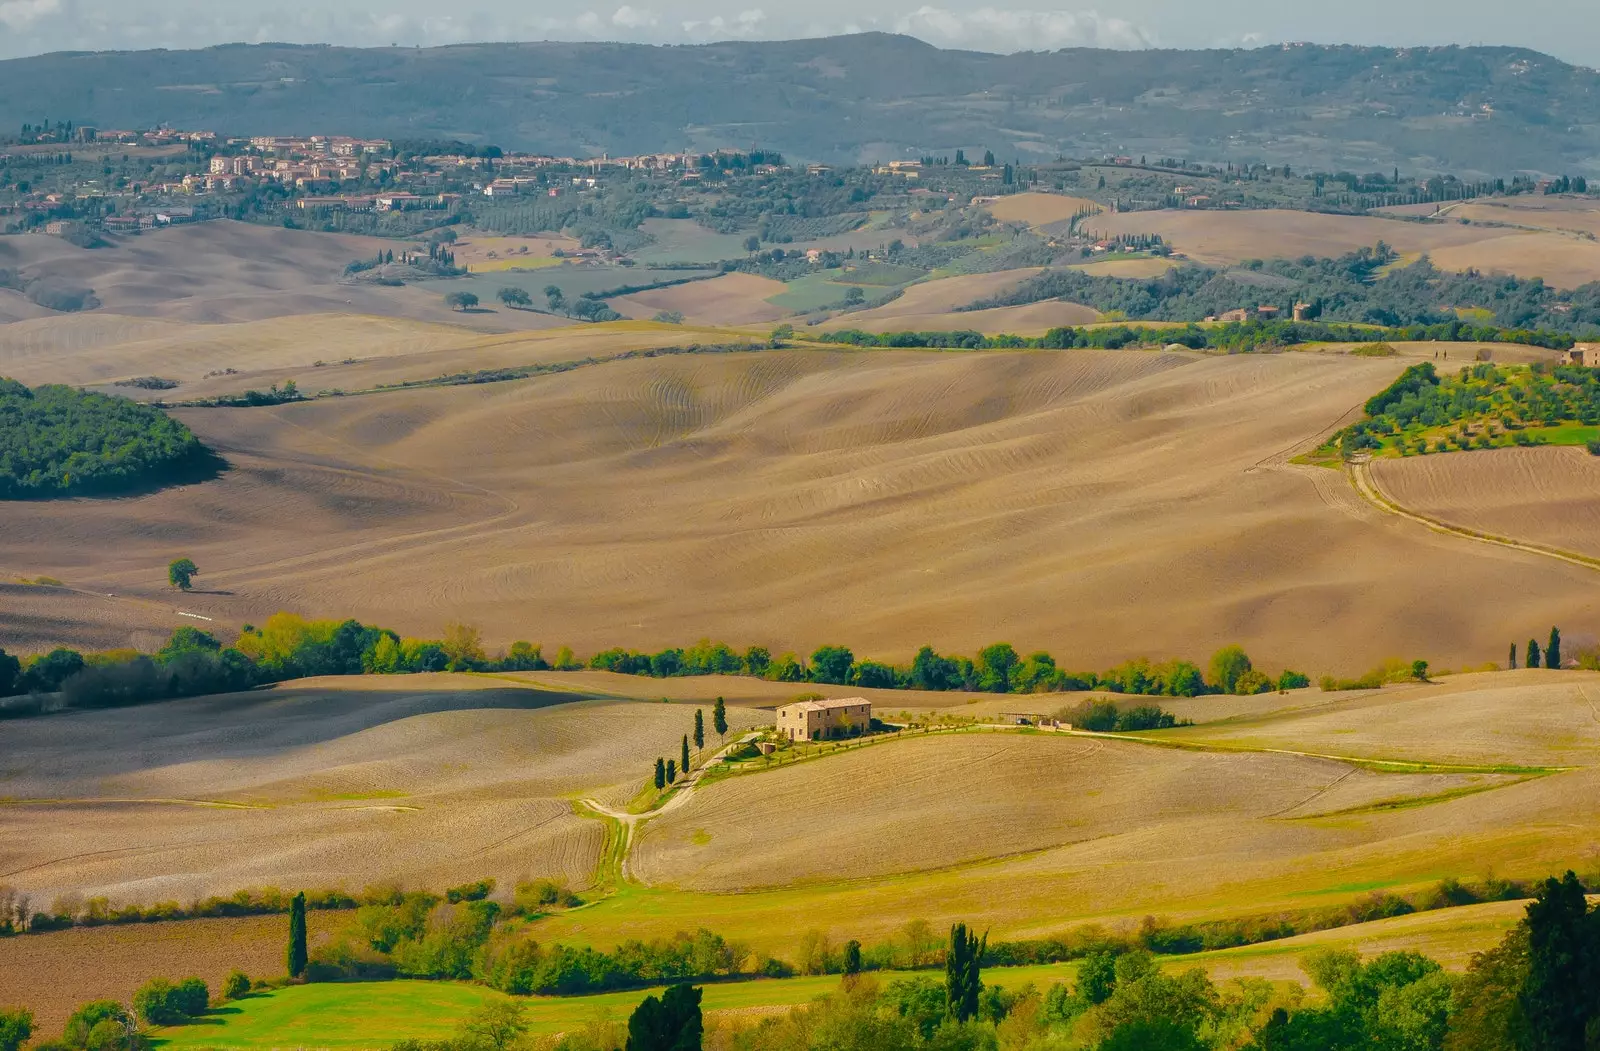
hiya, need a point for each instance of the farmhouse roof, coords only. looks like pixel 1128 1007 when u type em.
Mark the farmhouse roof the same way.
pixel 828 704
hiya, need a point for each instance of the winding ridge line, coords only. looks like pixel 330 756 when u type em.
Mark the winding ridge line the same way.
pixel 1361 478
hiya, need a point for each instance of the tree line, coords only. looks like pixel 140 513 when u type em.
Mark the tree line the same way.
pixel 1232 336
pixel 288 646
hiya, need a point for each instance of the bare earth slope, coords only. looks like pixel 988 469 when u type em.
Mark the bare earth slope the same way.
pixel 227 271
pixel 431 780
pixel 941 802
pixel 788 499
pixel 1550 496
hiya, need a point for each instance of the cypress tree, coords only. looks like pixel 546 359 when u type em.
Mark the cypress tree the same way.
pixel 719 717
pixel 1563 958
pixel 962 981
pixel 672 771
pixel 699 728
pixel 1552 652
pixel 852 957
pixel 296 954
pixel 685 755
pixel 661 773
pixel 1513 664
pixel 1531 654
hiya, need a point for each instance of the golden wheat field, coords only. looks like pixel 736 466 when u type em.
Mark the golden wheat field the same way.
pixel 1039 209
pixel 732 299
pixel 1550 496
pixel 1223 238
pixel 430 781
pixel 790 498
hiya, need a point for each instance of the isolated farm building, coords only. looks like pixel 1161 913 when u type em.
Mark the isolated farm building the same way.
pixel 818 720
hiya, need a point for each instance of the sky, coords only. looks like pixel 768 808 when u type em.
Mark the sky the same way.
pixel 1565 28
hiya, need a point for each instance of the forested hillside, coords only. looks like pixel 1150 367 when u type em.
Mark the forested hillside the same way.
pixel 861 97
pixel 1362 286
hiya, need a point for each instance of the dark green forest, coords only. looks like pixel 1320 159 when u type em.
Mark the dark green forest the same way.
pixel 1357 287
pixel 58 441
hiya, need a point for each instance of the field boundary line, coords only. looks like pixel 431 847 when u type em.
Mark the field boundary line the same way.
pixel 1367 486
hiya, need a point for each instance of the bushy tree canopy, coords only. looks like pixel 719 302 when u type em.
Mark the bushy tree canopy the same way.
pixel 56 441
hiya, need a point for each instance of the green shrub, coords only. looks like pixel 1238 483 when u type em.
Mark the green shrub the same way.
pixel 236 985
pixel 160 1002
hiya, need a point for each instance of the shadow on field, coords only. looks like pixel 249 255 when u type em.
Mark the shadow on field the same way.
pixel 261 723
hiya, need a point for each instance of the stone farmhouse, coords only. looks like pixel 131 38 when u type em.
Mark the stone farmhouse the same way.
pixel 820 720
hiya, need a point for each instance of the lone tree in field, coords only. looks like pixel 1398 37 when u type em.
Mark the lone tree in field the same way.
pixel 661 773
pixel 1552 651
pixel 685 754
pixel 515 297
pixel 1419 671
pixel 672 1023
pixel 719 718
pixel 462 301
pixel 699 729
pixel 1531 658
pixel 181 573
pixel 296 954
pixel 962 981
pixel 852 957
pixel 1513 664
pixel 496 1025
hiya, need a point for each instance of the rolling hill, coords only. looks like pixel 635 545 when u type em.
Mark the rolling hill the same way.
pixel 858 98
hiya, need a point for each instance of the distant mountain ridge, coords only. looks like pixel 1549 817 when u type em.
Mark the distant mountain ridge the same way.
pixel 870 96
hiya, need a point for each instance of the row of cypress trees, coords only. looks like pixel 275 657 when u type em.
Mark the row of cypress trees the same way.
pixel 1532 658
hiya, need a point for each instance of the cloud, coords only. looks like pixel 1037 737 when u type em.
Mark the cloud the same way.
pixel 743 26
pixel 993 29
pixel 19 14
pixel 633 18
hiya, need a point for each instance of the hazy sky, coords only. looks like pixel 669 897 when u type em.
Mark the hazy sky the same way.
pixel 1566 28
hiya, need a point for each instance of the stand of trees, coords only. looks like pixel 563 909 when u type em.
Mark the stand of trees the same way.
pixel 58 441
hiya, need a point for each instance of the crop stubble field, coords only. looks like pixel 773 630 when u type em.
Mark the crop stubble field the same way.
pixel 428 780
pixel 791 498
